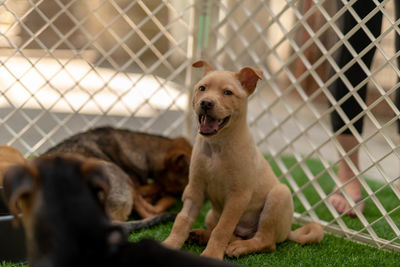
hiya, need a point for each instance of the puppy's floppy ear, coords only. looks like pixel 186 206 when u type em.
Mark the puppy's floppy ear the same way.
pixel 248 78
pixel 202 63
pixel 19 184
pixel 177 160
pixel 93 173
pixel 178 157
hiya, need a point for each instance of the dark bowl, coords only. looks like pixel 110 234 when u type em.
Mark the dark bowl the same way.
pixel 12 240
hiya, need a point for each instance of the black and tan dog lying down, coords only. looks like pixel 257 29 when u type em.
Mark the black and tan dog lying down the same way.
pixel 62 199
pixel 131 158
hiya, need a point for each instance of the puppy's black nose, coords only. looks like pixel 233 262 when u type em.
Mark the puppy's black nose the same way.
pixel 206 104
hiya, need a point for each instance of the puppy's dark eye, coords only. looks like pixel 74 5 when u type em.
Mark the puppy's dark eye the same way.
pixel 202 88
pixel 228 92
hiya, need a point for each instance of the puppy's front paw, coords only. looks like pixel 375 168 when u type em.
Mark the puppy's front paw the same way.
pixel 215 254
pixel 171 242
pixel 235 249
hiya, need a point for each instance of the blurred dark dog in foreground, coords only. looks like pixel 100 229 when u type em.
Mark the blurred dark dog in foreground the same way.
pixel 62 201
pixel 131 159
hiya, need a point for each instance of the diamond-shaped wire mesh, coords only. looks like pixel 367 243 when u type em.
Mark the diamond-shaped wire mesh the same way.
pixel 297 45
pixel 70 65
pixel 66 66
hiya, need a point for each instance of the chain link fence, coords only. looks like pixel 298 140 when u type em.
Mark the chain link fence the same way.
pixel 66 66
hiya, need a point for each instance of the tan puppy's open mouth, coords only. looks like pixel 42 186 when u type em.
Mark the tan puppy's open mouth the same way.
pixel 210 125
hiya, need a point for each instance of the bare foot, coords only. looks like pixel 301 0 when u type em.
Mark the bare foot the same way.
pixel 345 173
pixel 341 205
pixel 353 189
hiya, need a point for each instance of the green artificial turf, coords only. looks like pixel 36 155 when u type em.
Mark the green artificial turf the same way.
pixel 8 264
pixel 382 192
pixel 332 251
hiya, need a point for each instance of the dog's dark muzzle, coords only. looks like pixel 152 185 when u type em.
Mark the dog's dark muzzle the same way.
pixel 206 104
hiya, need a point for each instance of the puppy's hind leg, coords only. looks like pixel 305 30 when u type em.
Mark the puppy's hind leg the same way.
pixel 146 209
pixel 164 203
pixel 143 208
pixel 273 227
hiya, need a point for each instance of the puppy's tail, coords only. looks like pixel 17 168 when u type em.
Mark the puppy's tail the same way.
pixel 308 234
pixel 148 222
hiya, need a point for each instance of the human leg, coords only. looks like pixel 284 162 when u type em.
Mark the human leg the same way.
pixel 345 174
pixel 355 75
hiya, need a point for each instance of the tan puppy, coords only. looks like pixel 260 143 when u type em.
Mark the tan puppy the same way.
pixel 251 210
pixel 9 156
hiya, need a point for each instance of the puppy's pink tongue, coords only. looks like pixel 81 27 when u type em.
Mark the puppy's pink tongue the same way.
pixel 208 125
